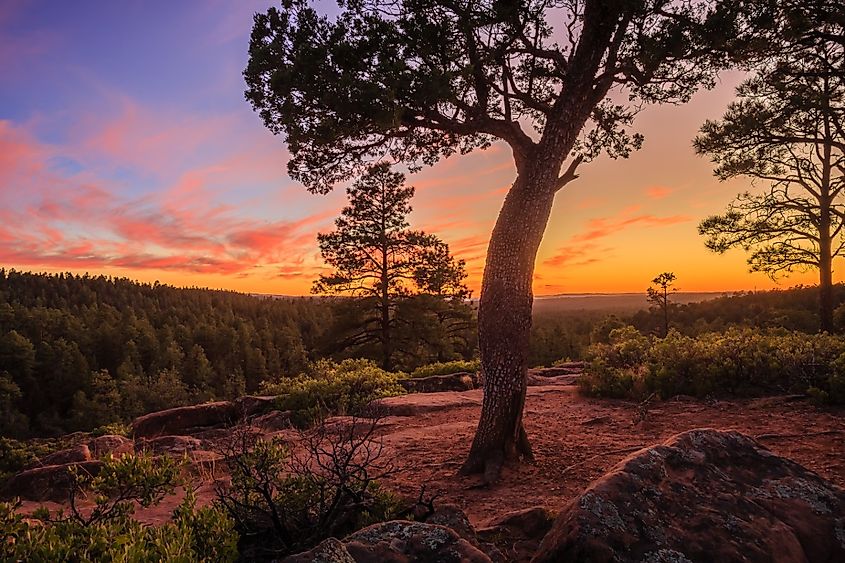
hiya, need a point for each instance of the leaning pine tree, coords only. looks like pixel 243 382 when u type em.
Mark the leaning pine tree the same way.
pixel 378 260
pixel 786 133
pixel 412 81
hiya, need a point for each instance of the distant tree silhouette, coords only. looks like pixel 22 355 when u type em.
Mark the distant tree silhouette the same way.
pixel 660 296
pixel 411 81
pixel 787 133
pixel 378 259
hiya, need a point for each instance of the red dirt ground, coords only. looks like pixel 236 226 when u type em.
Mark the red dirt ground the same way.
pixel 575 440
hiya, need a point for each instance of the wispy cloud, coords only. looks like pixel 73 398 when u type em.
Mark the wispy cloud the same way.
pixel 606 226
pixel 658 192
pixel 55 218
pixel 582 249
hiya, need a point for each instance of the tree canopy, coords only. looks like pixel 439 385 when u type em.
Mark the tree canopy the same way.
pixel 559 81
pixel 379 260
pixel 416 81
pixel 786 133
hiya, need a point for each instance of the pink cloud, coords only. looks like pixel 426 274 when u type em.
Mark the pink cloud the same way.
pixel 56 220
pixel 658 192
pixel 574 256
pixel 582 249
pixel 605 227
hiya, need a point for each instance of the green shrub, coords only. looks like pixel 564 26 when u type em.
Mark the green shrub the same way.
pixel 108 533
pixel 17 454
pixel 284 503
pixel 736 362
pixel 445 368
pixel 115 428
pixel 329 388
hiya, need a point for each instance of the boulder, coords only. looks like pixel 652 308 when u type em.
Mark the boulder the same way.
pixel 110 444
pixel 451 516
pixel 519 532
pixel 462 381
pixel 76 454
pixel 330 550
pixel 50 482
pixel 173 445
pixel 397 541
pixel 702 495
pixel 181 419
pixel 402 541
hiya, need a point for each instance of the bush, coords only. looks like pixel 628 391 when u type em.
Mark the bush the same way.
pixel 17 454
pixel 108 533
pixel 115 428
pixel 738 362
pixel 329 388
pixel 445 368
pixel 284 503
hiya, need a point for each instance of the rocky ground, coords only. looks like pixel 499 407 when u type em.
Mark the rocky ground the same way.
pixel 576 440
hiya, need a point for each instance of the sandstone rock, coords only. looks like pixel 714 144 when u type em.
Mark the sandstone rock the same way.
pixel 532 522
pixel 272 421
pixel 174 445
pixel 329 551
pixel 461 381
pixel 180 419
pixel 251 405
pixel 421 403
pixel 110 444
pixel 451 516
pixel 75 454
pixel 519 532
pixel 534 380
pixel 702 495
pixel 50 482
pixel 402 541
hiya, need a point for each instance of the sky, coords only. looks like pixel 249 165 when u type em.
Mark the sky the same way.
pixel 127 149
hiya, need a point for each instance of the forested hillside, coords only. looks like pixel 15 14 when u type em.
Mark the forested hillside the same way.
pixel 792 309
pixel 79 351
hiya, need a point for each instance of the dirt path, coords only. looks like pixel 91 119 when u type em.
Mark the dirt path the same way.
pixel 574 437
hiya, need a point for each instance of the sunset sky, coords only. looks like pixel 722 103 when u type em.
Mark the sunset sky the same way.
pixel 126 148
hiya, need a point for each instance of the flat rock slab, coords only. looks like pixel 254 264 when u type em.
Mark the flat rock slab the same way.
pixel 420 403
pixel 462 381
pixel 536 380
pixel 702 496
pixel 179 420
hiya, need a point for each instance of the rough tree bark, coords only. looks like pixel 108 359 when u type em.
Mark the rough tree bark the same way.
pixel 825 272
pixel 504 327
pixel 825 239
pixel 504 314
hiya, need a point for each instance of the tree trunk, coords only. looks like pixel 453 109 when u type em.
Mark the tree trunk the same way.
pixel 504 324
pixel 504 313
pixel 825 272
pixel 825 243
